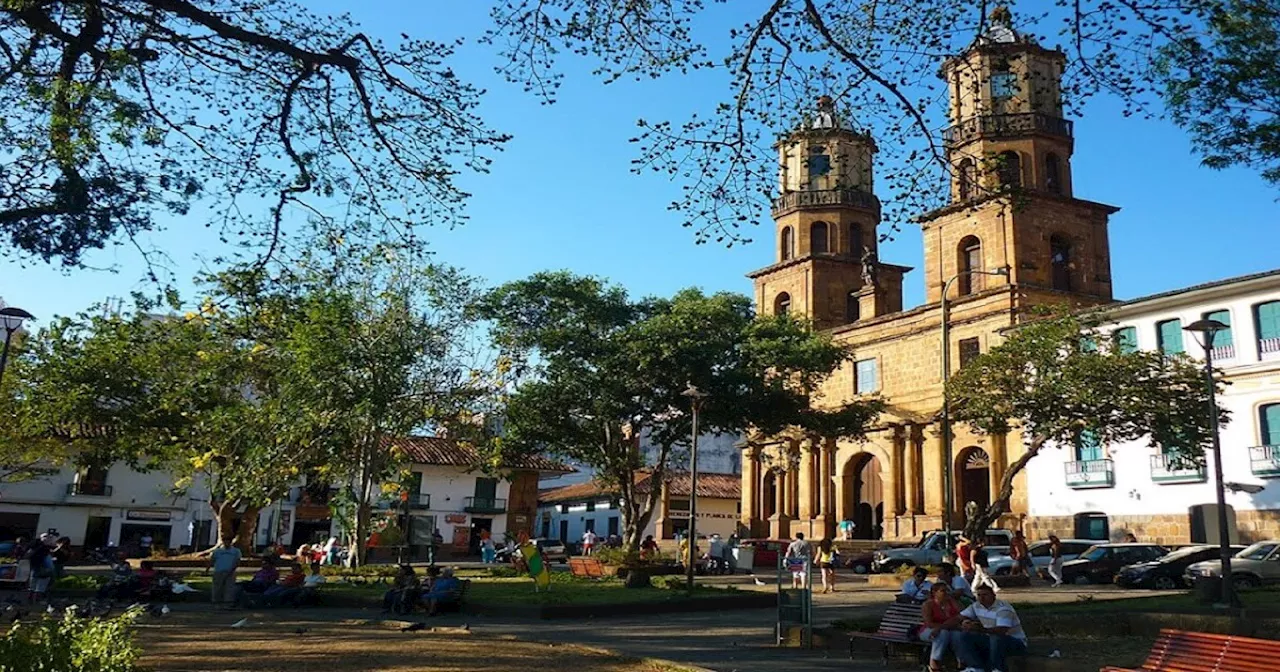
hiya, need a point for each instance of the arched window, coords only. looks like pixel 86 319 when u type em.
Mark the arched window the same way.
pixel 782 304
pixel 819 241
pixel 855 240
pixel 852 311
pixel 970 260
pixel 1009 169
pixel 968 178
pixel 1052 173
pixel 1060 262
pixel 788 244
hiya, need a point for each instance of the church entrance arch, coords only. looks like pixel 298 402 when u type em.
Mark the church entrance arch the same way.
pixel 863 496
pixel 973 469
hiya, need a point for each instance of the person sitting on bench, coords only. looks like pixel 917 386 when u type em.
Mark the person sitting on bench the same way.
pixel 262 579
pixel 960 589
pixel 443 590
pixel 936 613
pixel 404 593
pixel 990 632
pixel 917 587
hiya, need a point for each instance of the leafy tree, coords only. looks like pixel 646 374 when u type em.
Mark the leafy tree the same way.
pixel 594 369
pixel 1053 379
pixel 880 60
pixel 381 353
pixel 119 111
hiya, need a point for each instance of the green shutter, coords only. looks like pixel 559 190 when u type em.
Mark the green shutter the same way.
pixel 1169 335
pixel 1088 447
pixel 1268 315
pixel 1088 344
pixel 1126 339
pixel 1269 420
pixel 1222 339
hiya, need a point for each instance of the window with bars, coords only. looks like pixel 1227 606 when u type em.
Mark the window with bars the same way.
pixel 969 350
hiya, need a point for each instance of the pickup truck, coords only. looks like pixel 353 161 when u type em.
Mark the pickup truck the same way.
pixel 931 549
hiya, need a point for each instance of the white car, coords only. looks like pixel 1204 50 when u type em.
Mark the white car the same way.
pixel 1002 564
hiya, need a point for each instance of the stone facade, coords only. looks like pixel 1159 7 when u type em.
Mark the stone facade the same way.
pixel 1007 242
pixel 1163 528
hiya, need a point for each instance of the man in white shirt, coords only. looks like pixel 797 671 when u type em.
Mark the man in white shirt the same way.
pixel 959 587
pixel 588 542
pixel 918 586
pixel 990 631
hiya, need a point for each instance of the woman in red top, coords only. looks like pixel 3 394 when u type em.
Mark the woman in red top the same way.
pixel 940 608
pixel 964 558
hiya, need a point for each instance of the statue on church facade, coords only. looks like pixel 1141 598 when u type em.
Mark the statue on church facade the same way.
pixel 868 266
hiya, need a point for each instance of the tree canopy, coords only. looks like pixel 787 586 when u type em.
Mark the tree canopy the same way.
pixel 594 370
pixel 1213 62
pixel 1056 378
pixel 118 112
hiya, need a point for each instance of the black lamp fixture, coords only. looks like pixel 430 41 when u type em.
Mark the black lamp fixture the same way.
pixel 11 319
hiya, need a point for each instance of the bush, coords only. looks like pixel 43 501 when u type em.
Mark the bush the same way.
pixel 79 582
pixel 71 644
pixel 906 571
pixel 625 558
pixel 364 570
pixel 503 572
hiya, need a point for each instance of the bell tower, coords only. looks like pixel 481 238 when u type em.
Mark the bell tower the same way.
pixel 1011 199
pixel 826 216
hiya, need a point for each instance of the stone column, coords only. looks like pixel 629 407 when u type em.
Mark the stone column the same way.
pixel 749 481
pixel 897 497
pixel 935 466
pixel 805 511
pixel 780 482
pixel 911 469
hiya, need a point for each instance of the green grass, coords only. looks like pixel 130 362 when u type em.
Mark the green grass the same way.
pixel 1152 603
pixel 564 589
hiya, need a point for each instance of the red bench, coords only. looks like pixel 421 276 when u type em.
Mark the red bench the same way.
pixel 1181 651
pixel 588 568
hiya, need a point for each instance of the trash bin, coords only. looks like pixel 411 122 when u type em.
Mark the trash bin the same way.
pixel 744 558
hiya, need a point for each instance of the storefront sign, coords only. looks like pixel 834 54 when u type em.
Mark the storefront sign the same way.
pixel 456 519
pixel 677 515
pixel 286 520
pixel 144 514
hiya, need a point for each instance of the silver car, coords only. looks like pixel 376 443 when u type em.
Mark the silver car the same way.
pixel 1039 552
pixel 1254 566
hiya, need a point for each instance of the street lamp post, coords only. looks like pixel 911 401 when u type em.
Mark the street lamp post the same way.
pixel 695 396
pixel 11 319
pixel 1205 331
pixel 949 494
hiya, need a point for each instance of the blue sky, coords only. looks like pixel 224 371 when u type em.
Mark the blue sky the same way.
pixel 562 196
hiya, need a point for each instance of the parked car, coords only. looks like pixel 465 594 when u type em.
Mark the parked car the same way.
pixel 931 549
pixel 552 550
pixel 1254 566
pixel 1100 563
pixel 1002 564
pixel 1167 572
pixel 766 551
pixel 860 562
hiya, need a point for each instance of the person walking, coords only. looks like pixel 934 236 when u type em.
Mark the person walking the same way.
pixel 980 575
pixel 826 560
pixel 224 560
pixel 1055 561
pixel 588 542
pixel 799 550
pixel 964 557
pixel 488 551
pixel 1019 553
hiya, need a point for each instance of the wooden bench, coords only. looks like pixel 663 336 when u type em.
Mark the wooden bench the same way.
pixel 899 627
pixel 460 596
pixel 1181 651
pixel 587 568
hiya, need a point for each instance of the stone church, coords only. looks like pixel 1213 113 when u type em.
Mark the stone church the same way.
pixel 1012 236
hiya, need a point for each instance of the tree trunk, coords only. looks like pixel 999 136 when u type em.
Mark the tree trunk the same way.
pixel 248 528
pixel 975 527
pixel 359 544
pixel 224 512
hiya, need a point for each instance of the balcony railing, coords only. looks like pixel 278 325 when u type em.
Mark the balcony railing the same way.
pixel 1222 352
pixel 1265 461
pixel 1091 474
pixel 89 488
pixel 484 505
pixel 1269 348
pixel 997 125
pixel 1165 469
pixel 799 199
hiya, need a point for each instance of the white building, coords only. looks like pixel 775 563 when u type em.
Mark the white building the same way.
pixel 120 506
pixel 567 512
pixel 1095 491
pixel 717 454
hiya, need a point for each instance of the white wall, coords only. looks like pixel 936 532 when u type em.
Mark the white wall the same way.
pixel 449 487
pixel 1253 382
pixel 577 516
pixel 717 454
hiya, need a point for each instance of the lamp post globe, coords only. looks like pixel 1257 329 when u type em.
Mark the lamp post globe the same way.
pixel 11 320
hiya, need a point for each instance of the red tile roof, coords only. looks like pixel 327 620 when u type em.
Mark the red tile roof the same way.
pixel 440 451
pixel 715 486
